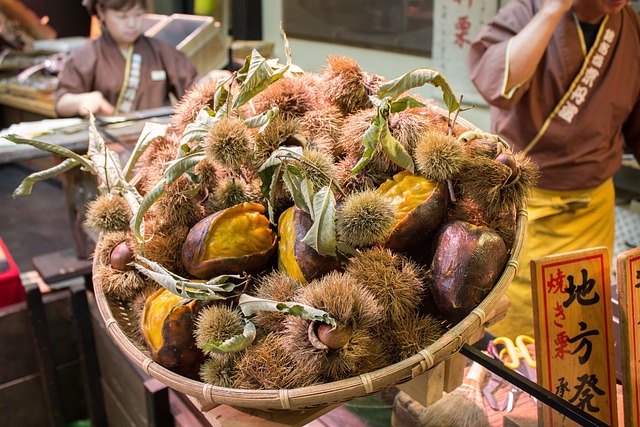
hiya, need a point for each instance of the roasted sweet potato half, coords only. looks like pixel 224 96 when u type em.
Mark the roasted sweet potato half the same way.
pixel 421 206
pixel 466 265
pixel 297 259
pixel 231 241
pixel 167 327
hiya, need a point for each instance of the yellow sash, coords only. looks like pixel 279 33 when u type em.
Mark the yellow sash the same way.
pixel 130 82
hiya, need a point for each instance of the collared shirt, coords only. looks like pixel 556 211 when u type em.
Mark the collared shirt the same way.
pixel 159 69
pixel 574 115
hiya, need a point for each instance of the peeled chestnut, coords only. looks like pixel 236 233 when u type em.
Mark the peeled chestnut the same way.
pixel 509 160
pixel 326 337
pixel 121 257
pixel 334 337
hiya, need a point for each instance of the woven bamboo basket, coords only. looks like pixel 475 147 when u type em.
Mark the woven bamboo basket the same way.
pixel 322 394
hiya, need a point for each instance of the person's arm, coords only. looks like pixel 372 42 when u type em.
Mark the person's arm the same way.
pixel 30 22
pixel 81 104
pixel 528 46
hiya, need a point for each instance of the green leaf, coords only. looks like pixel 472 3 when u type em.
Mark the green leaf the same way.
pixel 150 133
pixel 258 74
pixel 293 181
pixel 234 344
pixel 52 148
pixel 307 192
pixel 404 103
pixel 395 150
pixel 106 165
pixel 171 175
pixel 251 305
pixel 213 289
pixel 263 118
pixel 370 142
pixel 270 171
pixel 195 131
pixel 417 78
pixel 27 184
pixel 322 234
pixel 221 95
pixel 378 133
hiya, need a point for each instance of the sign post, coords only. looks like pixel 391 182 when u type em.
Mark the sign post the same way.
pixel 574 333
pixel 628 284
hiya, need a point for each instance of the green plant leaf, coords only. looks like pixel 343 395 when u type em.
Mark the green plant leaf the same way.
pixel 221 94
pixel 263 118
pixel 307 192
pixel 378 133
pixel 258 74
pixel 195 131
pixel 395 150
pixel 270 172
pixel 404 103
pixel 234 344
pixel 53 149
pixel 370 142
pixel 150 133
pixel 322 234
pixel 251 305
pixel 27 184
pixel 293 181
pixel 106 164
pixel 417 78
pixel 212 289
pixel 171 175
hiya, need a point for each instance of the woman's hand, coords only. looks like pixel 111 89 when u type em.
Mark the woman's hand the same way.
pixel 81 104
pixel 94 102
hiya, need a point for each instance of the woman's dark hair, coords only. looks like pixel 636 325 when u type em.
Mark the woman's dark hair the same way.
pixel 93 5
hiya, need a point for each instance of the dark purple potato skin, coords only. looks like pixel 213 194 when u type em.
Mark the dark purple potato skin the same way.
pixel 466 265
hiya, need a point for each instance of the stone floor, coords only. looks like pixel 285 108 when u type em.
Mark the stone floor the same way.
pixel 35 224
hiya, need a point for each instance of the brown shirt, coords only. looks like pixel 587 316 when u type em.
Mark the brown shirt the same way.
pixel 576 112
pixel 99 65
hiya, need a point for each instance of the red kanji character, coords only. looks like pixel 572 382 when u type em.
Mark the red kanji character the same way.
pixel 562 342
pixel 462 26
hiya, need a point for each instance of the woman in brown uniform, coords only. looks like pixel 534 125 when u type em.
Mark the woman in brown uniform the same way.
pixel 561 78
pixel 122 70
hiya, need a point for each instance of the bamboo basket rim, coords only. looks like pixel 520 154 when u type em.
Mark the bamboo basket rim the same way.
pixel 324 394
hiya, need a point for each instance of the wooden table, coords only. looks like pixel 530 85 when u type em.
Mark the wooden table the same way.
pixel 78 139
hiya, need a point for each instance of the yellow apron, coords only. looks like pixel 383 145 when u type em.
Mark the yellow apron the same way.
pixel 559 222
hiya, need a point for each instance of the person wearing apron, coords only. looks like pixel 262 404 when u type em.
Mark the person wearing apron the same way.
pixel 561 79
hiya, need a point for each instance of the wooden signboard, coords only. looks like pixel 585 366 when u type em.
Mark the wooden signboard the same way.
pixel 628 284
pixel 574 333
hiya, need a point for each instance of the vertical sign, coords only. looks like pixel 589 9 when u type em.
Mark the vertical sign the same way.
pixel 574 333
pixel 456 24
pixel 628 284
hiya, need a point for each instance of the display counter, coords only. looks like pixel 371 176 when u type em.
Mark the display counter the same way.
pixel 124 132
